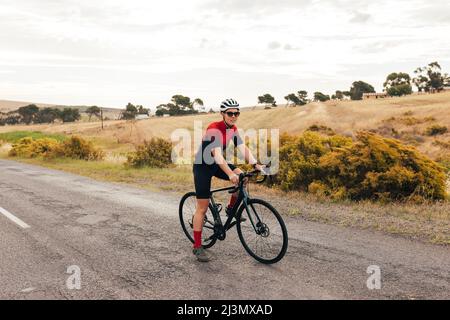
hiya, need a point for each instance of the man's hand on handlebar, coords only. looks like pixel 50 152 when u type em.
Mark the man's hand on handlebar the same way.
pixel 259 167
pixel 234 178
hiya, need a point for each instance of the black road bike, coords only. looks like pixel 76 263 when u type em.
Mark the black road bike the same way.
pixel 263 233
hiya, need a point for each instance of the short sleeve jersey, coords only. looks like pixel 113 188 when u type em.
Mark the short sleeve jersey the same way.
pixel 218 134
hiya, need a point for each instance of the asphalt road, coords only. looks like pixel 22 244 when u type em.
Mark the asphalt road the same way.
pixel 128 244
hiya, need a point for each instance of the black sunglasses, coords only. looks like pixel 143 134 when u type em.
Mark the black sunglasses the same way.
pixel 230 114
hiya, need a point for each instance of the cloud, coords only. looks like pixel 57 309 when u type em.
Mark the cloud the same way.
pixel 115 46
pixel 274 45
pixel 359 17
pixel 252 7
pixel 290 47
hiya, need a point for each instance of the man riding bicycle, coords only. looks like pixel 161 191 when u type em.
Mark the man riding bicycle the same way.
pixel 209 162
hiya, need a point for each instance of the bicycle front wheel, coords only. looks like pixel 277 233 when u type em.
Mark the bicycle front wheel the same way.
pixel 264 234
pixel 187 209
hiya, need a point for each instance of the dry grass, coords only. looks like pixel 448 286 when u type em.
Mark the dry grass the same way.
pixel 345 117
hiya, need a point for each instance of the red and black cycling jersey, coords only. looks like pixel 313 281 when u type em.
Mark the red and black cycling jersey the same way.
pixel 218 134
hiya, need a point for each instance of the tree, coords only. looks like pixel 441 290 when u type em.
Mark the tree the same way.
pixel 47 115
pixel 161 110
pixel 10 119
pixel 169 108
pixel 399 90
pixel 93 111
pixel 339 95
pixel 303 97
pixel 142 110
pixel 430 77
pixel 182 102
pixel 130 112
pixel 198 102
pixel 319 96
pixel 292 98
pixel 297 100
pixel 28 113
pixel 398 84
pixel 184 105
pixel 179 105
pixel 70 115
pixel 360 87
pixel 267 99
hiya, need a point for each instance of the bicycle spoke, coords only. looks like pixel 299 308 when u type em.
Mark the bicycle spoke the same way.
pixel 265 237
pixel 187 213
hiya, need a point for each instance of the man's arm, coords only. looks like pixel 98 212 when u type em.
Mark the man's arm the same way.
pixel 248 156
pixel 219 159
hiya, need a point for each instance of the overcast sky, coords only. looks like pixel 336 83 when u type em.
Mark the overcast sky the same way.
pixel 110 52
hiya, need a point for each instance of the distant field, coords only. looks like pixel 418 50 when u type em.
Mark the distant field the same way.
pixel 405 118
pixel 15 136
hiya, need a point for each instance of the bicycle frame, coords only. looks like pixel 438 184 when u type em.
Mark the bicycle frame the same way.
pixel 243 197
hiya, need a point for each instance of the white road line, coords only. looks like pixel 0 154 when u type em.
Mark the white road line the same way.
pixel 13 218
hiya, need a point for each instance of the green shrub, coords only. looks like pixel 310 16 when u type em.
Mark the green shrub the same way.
pixel 382 169
pixel 299 158
pixel 436 130
pixel 372 167
pixel 74 147
pixel 30 148
pixel 155 153
pixel 78 148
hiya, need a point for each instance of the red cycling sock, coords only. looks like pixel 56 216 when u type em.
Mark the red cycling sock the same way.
pixel 197 239
pixel 233 200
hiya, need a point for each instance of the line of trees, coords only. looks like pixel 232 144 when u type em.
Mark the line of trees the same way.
pixel 429 78
pixel 180 105
pixel 131 111
pixel 33 114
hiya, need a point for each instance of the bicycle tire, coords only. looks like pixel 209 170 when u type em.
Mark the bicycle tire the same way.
pixel 185 217
pixel 278 220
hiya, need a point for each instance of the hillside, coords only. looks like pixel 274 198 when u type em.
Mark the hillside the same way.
pixel 9 105
pixel 404 118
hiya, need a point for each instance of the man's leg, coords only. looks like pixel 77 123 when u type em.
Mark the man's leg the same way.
pixel 198 250
pixel 202 180
pixel 234 196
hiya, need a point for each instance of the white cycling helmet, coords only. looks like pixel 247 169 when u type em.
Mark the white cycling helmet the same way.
pixel 229 104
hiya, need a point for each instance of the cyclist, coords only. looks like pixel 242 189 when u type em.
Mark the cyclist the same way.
pixel 209 162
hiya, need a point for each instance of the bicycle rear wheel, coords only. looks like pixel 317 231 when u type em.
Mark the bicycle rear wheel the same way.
pixel 187 208
pixel 264 234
